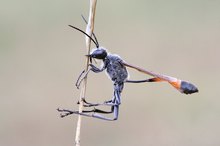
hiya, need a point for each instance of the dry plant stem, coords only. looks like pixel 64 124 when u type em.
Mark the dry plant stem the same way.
pixel 89 30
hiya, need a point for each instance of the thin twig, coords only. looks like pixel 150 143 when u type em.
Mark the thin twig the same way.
pixel 89 31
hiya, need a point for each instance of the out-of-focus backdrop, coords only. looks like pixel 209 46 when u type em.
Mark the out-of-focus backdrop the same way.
pixel 41 58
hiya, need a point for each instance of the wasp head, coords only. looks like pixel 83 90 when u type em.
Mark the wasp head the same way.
pixel 98 53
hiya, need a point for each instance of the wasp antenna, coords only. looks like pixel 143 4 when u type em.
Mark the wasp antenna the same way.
pixel 97 45
pixel 92 32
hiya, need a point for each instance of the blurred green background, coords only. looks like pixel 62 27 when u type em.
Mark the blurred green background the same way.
pixel 41 58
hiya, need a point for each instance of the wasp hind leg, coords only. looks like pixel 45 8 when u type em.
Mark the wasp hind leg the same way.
pixel 95 113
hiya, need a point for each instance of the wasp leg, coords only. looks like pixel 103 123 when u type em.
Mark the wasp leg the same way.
pixel 92 113
pixel 96 69
pixel 80 78
pixel 146 80
pixel 106 103
pixel 116 99
pixel 78 82
pixel 96 113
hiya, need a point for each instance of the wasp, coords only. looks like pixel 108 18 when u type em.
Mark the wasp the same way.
pixel 116 69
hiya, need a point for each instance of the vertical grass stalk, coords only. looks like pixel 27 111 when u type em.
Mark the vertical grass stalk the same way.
pixel 89 31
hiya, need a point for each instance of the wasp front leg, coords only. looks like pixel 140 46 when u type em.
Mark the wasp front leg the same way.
pixel 84 74
pixel 81 78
